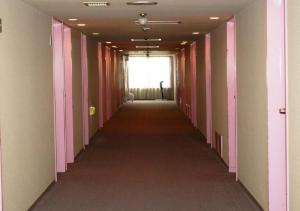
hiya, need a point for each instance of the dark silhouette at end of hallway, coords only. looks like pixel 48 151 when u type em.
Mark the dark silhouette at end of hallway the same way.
pixel 147 158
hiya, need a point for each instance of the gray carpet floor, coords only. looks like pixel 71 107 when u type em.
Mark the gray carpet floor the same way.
pixel 147 158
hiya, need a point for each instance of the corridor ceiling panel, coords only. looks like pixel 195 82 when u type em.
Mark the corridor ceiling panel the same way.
pixel 116 22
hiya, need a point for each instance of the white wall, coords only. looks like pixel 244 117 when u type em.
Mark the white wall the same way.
pixel 77 91
pixel 201 96
pixel 92 53
pixel 252 100
pixel 26 104
pixel 219 86
pixel 293 30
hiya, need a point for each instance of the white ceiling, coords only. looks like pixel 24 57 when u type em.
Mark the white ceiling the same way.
pixel 116 22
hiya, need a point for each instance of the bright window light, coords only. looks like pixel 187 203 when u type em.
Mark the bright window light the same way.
pixel 147 72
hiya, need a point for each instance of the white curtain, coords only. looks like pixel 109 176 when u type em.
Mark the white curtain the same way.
pixel 145 75
pixel 151 93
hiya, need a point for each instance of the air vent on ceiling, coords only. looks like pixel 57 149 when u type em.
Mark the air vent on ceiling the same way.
pixel 144 21
pixel 96 3
pixel 139 3
pixel 146 40
pixel 147 46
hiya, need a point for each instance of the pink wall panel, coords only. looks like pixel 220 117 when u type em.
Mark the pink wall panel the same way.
pixel 115 87
pixel 85 93
pixel 69 94
pixel 59 97
pixel 276 81
pixel 183 86
pixel 100 69
pixel 178 76
pixel 193 83
pixel 231 83
pixel 108 82
pixel 208 89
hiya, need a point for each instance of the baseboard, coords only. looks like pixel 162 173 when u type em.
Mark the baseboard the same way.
pixel 93 138
pixel 250 195
pixel 202 137
pixel 204 140
pixel 78 154
pixel 41 196
pixel 232 169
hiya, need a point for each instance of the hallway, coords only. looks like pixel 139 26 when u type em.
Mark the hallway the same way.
pixel 148 157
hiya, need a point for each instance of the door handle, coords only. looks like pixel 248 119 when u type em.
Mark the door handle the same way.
pixel 282 110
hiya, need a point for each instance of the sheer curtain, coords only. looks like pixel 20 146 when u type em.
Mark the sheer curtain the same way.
pixel 145 74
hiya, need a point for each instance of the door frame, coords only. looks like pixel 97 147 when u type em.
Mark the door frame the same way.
pixel 100 72
pixel 62 96
pixel 183 85
pixel 208 94
pixel 193 67
pixel 59 97
pixel 108 81
pixel 276 88
pixel 231 86
pixel 68 94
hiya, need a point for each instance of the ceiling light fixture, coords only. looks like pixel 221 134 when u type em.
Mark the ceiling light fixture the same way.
pixel 95 33
pixel 108 42
pixel 96 3
pixel 73 19
pixel 81 24
pixel 146 40
pixel 114 46
pixel 214 18
pixel 147 46
pixel 146 29
pixel 144 21
pixel 196 33
pixel 138 3
pixel 183 42
pixel 120 50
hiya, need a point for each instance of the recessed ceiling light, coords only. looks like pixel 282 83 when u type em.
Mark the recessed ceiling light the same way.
pixel 143 21
pixel 114 46
pixel 73 19
pixel 137 3
pixel 214 18
pixel 147 46
pixel 95 33
pixel 146 29
pixel 96 3
pixel 108 42
pixel 81 24
pixel 183 42
pixel 196 33
pixel 146 40
pixel 120 50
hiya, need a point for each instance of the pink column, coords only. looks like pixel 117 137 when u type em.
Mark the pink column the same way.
pixel 276 82
pixel 208 89
pixel 108 82
pixel 69 94
pixel 177 76
pixel 100 69
pixel 59 97
pixel 85 92
pixel 193 83
pixel 183 90
pixel 115 82
pixel 231 83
